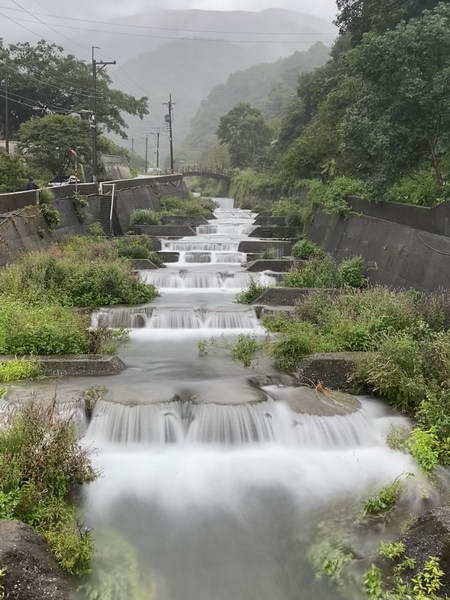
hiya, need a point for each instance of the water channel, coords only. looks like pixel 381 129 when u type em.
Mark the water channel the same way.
pixel 217 485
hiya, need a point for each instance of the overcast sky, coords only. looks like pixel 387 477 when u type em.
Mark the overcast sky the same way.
pixel 77 25
pixel 110 9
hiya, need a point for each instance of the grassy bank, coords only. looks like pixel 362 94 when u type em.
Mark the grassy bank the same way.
pixel 46 297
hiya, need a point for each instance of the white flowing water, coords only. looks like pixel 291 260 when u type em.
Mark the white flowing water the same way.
pixel 217 486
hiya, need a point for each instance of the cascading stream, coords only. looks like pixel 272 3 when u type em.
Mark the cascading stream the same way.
pixel 215 485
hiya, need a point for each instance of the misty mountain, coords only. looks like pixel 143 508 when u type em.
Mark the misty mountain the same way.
pixel 270 34
pixel 189 68
pixel 267 86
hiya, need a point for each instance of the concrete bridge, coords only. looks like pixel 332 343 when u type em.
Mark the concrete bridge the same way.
pixel 202 171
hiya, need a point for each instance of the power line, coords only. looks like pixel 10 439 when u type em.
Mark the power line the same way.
pixel 193 39
pixel 50 13
pixel 44 23
pixel 61 89
pixel 131 79
pixel 134 26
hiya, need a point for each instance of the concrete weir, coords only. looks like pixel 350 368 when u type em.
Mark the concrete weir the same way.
pixel 77 364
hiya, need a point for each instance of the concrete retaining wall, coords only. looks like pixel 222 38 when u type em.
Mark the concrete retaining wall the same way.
pixel 278 266
pixel 26 230
pixel 276 232
pixel 189 221
pixel 267 221
pixel 434 220
pixel 285 296
pixel 398 256
pixel 280 248
pixel 164 231
pixel 16 200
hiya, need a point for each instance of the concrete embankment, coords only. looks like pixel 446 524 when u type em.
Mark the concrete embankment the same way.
pixel 397 255
pixel 24 229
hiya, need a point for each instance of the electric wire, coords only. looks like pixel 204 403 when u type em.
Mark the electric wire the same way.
pixel 190 39
pixel 44 23
pixel 73 89
pixel 135 26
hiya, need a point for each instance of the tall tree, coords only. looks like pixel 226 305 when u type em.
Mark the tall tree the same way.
pixel 49 142
pixel 12 173
pixel 245 131
pixel 43 80
pixel 357 17
pixel 402 115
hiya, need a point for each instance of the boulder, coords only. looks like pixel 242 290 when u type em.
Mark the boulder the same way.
pixel 31 572
pixel 333 370
pixel 428 537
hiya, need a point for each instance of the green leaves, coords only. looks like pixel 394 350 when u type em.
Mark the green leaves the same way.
pixel 48 142
pixel 244 130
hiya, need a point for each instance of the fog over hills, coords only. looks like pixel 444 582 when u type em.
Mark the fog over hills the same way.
pixel 191 67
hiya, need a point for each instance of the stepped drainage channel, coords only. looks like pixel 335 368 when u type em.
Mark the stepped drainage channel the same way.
pixel 215 485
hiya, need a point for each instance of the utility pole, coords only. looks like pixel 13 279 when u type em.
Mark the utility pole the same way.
pixel 6 116
pixel 97 65
pixel 132 151
pixel 146 154
pixel 156 133
pixel 168 120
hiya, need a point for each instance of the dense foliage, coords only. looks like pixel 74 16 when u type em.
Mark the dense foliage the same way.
pixel 48 142
pixel 77 273
pixel 12 173
pixel 246 133
pixel 43 77
pixel 40 462
pixel 268 86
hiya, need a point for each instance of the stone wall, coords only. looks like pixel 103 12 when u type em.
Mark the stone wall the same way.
pixel 397 255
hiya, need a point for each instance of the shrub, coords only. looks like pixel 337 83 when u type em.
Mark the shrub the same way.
pixel 20 368
pixel 333 196
pixel 306 249
pixel 40 462
pixel 174 206
pixel 351 273
pixel 301 340
pixel 242 349
pixel 424 448
pixel 46 195
pixel 319 271
pixel 250 294
pixel 96 230
pixel 296 212
pixel 144 216
pixel 137 246
pixel 50 214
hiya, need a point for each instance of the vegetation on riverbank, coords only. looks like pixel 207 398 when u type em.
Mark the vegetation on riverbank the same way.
pixel 45 296
pixel 173 207
pixel 40 463
pixel 76 273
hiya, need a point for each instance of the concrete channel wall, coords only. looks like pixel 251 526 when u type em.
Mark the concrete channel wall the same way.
pixel 434 220
pixel 397 255
pixel 24 229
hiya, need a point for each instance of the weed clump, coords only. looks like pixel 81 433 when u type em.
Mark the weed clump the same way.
pixel 40 462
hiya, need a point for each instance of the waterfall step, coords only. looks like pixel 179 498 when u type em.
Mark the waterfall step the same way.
pixel 176 318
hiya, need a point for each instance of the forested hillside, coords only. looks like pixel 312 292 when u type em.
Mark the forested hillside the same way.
pixel 376 116
pixel 268 86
